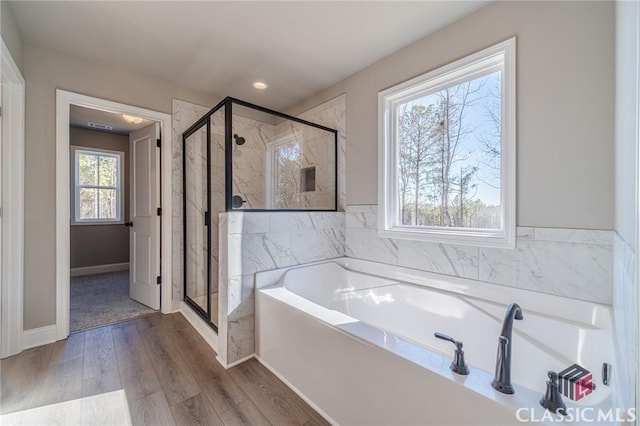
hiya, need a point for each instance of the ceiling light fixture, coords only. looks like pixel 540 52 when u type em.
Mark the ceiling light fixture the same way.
pixel 100 126
pixel 131 119
pixel 260 85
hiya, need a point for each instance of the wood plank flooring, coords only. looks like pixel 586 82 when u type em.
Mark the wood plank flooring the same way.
pixel 169 374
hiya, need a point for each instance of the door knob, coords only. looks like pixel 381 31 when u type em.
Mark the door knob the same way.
pixel 129 224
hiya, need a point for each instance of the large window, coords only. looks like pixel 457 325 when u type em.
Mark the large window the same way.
pixel 447 152
pixel 98 185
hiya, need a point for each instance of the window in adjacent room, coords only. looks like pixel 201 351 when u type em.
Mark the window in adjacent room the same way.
pixel 447 152
pixel 98 178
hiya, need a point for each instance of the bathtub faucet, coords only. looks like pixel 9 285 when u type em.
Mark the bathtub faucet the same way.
pixel 502 379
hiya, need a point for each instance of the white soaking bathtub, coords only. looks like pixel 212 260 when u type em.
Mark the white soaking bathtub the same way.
pixel 355 339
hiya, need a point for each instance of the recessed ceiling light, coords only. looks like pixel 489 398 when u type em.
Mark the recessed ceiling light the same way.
pixel 131 119
pixel 260 85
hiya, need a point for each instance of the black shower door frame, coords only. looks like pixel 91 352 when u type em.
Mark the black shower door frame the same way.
pixel 206 315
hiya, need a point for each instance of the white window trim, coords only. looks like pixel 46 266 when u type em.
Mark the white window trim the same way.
pixel 119 189
pixel 387 187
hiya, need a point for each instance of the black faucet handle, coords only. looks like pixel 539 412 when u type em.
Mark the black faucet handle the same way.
pixel 443 336
pixel 552 400
pixel 458 364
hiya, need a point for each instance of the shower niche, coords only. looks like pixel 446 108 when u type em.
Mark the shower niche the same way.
pixel 243 157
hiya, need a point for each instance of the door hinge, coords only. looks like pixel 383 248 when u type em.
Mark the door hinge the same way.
pixel 158 143
pixel 159 211
pixel 0 111
pixel 158 279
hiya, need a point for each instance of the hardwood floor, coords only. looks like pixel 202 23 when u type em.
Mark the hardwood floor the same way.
pixel 169 374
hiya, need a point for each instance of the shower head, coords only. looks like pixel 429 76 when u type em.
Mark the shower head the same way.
pixel 239 139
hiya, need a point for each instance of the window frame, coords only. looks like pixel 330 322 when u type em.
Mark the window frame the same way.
pixel 469 67
pixel 75 220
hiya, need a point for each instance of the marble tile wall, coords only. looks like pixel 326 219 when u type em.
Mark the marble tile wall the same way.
pixel 183 115
pixel 249 174
pixel 625 312
pixel 256 242
pixel 311 147
pixel 333 114
pixel 564 262
pixel 196 206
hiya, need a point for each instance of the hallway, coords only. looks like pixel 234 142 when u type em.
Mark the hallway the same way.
pixel 102 299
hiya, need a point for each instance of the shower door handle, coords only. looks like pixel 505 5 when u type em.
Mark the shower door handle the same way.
pixel 207 219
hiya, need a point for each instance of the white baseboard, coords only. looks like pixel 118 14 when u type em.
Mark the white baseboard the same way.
pixel 39 336
pixel 204 329
pixel 99 269
pixel 234 363
pixel 296 390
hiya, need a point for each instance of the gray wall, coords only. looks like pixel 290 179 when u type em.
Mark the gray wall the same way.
pixel 93 245
pixel 10 33
pixel 44 71
pixel 565 95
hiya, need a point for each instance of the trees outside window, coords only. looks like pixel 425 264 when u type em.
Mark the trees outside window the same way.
pixel 448 145
pixel 98 180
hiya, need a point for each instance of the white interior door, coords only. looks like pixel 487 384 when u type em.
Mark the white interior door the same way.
pixel 144 234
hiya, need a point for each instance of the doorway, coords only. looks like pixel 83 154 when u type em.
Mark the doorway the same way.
pixel 92 197
pixel 109 154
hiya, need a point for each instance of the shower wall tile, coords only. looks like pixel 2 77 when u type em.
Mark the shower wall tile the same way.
pixel 565 262
pixel 625 322
pixel 184 114
pixel 448 259
pixel 365 217
pixel 525 233
pixel 249 161
pixel 297 147
pixel 316 244
pixel 241 341
pixel 579 271
pixel 259 241
pixel 580 236
pixel 250 253
pixel 365 244
pixel 196 158
pixel 333 114
pixel 297 221
pixel 240 320
pixel 258 223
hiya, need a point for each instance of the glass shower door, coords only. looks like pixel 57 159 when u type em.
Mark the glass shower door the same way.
pixel 197 233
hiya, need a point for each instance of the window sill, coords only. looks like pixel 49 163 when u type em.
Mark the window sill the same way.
pixel 457 236
pixel 97 223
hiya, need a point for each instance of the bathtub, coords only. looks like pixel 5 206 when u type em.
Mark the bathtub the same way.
pixel 355 339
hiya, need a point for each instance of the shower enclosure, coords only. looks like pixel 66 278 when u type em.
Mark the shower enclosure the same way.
pixel 243 157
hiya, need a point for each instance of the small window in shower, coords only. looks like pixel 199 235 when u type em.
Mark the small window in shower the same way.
pixel 308 179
